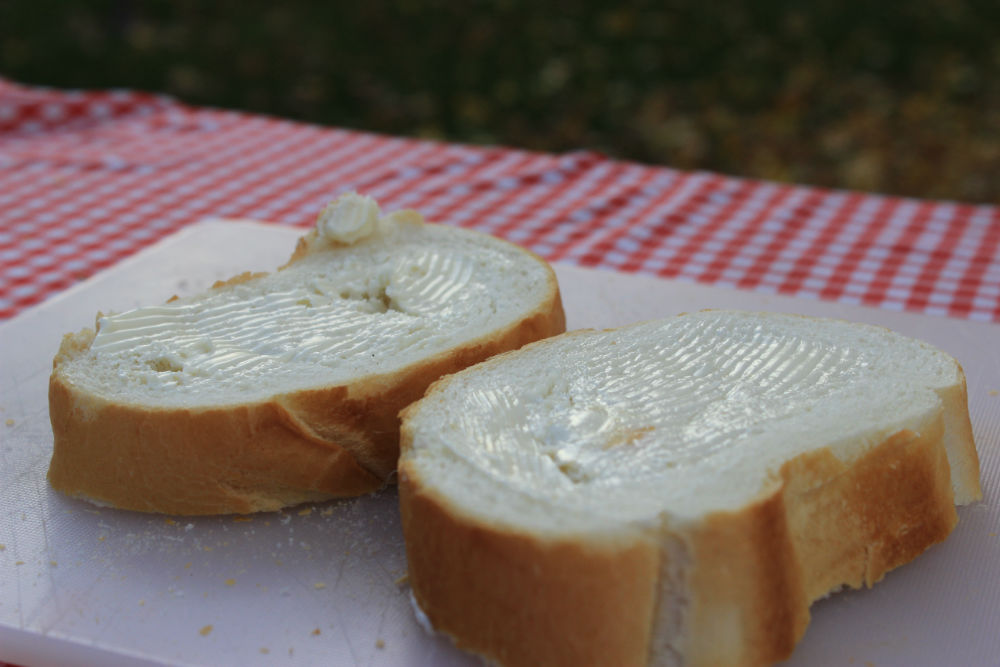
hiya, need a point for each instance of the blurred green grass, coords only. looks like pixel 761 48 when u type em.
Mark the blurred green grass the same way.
pixel 901 98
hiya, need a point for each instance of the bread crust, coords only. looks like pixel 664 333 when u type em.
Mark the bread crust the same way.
pixel 523 600
pixel 304 446
pixel 825 525
pixel 749 575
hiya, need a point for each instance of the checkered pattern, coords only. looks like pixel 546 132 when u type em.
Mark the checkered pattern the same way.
pixel 88 178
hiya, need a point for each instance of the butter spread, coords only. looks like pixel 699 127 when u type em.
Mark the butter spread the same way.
pixel 622 422
pixel 399 295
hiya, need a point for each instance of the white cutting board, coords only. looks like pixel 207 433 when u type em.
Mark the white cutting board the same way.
pixel 81 585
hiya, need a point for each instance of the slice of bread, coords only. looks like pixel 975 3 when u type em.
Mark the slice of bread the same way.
pixel 679 491
pixel 271 390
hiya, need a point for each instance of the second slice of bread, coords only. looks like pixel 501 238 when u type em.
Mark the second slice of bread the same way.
pixel 271 390
pixel 680 491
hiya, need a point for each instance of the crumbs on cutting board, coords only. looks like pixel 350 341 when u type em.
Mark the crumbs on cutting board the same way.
pixel 994 392
pixel 316 632
pixel 9 422
pixel 287 538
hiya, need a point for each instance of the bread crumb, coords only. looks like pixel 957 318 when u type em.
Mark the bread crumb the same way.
pixel 993 392
pixel 264 650
pixel 993 534
pixel 3 547
pixel 53 563
pixel 230 582
pixel 142 603
pixel 20 562
pixel 207 548
pixel 379 643
pixel 869 663
pixel 9 422
pixel 403 580
pixel 305 512
pixel 319 586
pixel 169 522
pixel 242 519
pixel 316 632
pixel 326 512
pixel 187 566
pixel 205 631
pixel 101 538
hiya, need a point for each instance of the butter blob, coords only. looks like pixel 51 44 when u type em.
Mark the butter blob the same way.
pixel 348 219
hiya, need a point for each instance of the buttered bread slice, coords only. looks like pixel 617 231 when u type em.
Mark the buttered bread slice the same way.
pixel 677 492
pixel 270 390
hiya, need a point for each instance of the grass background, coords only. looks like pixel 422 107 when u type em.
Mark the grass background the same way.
pixel 893 97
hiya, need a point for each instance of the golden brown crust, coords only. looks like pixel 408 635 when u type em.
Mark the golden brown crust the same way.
pixel 521 600
pixel 853 523
pixel 239 279
pixel 310 445
pixel 225 460
pixel 825 525
pixel 747 605
pixel 820 524
pixel 302 247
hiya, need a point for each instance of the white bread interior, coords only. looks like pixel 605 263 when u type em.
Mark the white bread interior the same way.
pixel 677 492
pixel 270 390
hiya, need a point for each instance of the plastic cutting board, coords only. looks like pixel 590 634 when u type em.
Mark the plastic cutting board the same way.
pixel 325 584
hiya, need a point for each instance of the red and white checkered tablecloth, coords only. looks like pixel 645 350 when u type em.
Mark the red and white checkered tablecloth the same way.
pixel 88 178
